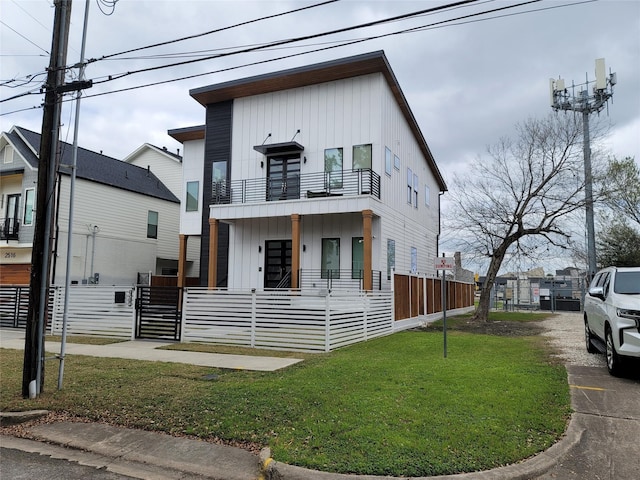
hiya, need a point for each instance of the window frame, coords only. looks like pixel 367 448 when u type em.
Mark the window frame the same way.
pixel 333 180
pixel 29 204
pixel 324 266
pixel 409 186
pixel 391 256
pixel 368 148
pixel 152 228
pixel 414 260
pixel 189 206
pixel 388 167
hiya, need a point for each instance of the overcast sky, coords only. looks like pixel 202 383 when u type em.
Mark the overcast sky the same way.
pixel 467 84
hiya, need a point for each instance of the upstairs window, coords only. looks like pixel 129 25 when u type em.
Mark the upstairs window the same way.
pixel 152 224
pixel 415 190
pixel 362 157
pixel 8 154
pixel 29 197
pixel 333 167
pixel 409 186
pixel 387 161
pixel 193 193
pixel 427 195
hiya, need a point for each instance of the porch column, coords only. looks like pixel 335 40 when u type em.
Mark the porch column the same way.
pixel 295 250
pixel 213 252
pixel 367 283
pixel 182 260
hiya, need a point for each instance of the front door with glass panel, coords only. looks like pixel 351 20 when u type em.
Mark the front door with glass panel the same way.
pixel 283 177
pixel 277 264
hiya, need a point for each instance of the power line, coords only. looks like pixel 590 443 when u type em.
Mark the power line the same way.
pixel 342 44
pixel 22 36
pixel 332 32
pixel 307 37
pixel 112 3
pixel 216 30
pixel 272 45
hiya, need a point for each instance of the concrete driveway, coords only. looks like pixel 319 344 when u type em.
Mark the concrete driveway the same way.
pixel 607 410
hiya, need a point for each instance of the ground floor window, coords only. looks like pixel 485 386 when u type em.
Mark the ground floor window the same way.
pixel 357 257
pixel 330 267
pixel 414 260
pixel 391 257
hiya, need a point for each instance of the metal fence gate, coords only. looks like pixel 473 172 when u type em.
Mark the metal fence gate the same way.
pixel 159 313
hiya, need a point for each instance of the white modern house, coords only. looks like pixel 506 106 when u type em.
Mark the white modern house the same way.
pixel 125 218
pixel 312 178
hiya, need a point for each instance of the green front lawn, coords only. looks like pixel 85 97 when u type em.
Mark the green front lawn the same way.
pixel 390 406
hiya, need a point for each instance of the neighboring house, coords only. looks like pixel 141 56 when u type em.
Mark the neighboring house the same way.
pixel 167 166
pixel 125 218
pixel 316 177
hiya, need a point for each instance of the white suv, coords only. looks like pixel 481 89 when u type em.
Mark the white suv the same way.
pixel 612 315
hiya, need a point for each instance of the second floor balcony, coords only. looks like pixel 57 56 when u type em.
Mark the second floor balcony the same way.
pixel 297 186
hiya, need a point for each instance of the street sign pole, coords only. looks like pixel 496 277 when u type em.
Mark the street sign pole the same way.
pixel 443 264
pixel 444 310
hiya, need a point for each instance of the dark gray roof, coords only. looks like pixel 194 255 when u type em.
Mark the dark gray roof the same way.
pixel 96 167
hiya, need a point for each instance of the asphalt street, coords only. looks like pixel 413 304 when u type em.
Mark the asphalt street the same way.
pixel 608 410
pixel 21 465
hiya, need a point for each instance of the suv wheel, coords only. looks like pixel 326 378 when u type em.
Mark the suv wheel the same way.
pixel 588 338
pixel 614 362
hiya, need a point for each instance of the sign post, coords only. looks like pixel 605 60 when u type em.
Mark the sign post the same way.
pixel 443 264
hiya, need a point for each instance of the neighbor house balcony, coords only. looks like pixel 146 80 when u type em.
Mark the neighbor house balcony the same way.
pixel 297 187
pixel 9 229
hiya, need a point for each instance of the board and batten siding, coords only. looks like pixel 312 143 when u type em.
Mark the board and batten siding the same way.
pixel 248 238
pixel 122 247
pixel 336 114
pixel 192 171
pixel 403 222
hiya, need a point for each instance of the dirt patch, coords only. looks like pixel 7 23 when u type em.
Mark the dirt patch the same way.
pixel 499 328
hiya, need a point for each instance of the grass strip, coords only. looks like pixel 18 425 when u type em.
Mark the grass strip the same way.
pixel 390 406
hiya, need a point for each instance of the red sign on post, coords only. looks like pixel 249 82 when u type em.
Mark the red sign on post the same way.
pixel 444 263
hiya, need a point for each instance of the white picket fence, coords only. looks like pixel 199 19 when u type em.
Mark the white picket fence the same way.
pixel 282 320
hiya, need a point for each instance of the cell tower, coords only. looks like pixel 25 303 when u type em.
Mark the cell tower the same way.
pixel 587 102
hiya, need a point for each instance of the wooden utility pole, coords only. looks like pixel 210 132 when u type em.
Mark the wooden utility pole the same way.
pixel 33 369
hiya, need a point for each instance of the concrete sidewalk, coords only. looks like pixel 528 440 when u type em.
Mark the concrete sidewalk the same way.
pixel 149 350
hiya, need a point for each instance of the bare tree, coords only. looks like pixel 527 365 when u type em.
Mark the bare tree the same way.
pixel 518 197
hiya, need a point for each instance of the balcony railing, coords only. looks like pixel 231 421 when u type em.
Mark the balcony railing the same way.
pixel 337 279
pixel 297 186
pixel 10 228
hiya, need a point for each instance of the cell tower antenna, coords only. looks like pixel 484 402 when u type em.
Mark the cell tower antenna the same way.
pixel 587 103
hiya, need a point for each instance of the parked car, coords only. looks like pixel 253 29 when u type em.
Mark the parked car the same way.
pixel 612 315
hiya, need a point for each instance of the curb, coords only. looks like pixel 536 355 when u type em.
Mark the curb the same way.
pixel 527 469
pixel 14 418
